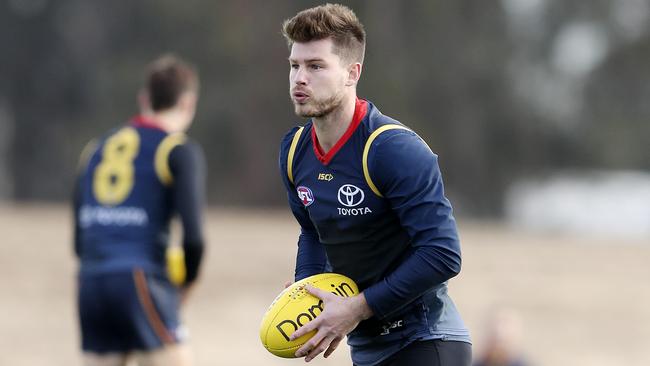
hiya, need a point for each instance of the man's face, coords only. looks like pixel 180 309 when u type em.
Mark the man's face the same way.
pixel 318 78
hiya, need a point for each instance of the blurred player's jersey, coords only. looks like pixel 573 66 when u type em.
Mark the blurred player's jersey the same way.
pixel 125 202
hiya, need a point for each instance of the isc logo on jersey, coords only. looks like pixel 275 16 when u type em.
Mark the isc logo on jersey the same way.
pixel 351 196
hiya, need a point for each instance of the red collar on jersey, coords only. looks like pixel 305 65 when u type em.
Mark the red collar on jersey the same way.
pixel 142 121
pixel 360 110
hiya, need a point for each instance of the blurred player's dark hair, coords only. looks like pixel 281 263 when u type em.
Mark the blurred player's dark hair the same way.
pixel 168 77
pixel 333 21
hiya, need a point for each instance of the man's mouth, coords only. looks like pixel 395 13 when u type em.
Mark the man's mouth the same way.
pixel 300 97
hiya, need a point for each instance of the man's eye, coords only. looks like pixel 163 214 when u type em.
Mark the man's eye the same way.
pixel 316 67
pixel 294 66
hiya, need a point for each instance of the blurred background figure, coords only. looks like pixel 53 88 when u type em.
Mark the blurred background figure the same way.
pixel 502 342
pixel 132 182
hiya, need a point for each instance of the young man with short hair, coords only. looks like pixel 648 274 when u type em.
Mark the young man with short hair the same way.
pixel 368 195
pixel 132 181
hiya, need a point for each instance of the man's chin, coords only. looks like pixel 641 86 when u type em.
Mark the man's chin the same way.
pixel 305 112
pixel 315 109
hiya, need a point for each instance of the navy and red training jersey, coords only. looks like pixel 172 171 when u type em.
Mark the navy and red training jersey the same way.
pixel 134 180
pixel 386 223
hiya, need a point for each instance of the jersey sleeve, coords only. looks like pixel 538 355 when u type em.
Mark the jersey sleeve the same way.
pixel 187 166
pixel 407 174
pixel 311 258
pixel 76 205
pixel 82 165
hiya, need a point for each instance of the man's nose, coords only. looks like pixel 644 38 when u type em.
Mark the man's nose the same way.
pixel 300 76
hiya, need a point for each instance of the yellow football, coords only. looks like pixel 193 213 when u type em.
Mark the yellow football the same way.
pixel 295 307
pixel 176 264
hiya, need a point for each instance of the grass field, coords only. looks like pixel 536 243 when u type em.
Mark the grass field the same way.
pixel 582 301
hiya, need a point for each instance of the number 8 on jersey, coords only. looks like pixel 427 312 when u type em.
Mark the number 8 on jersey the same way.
pixel 113 180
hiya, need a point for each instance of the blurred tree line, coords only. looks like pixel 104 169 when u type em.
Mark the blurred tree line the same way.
pixel 500 89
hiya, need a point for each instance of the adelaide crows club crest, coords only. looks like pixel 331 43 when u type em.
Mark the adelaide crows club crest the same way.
pixel 305 195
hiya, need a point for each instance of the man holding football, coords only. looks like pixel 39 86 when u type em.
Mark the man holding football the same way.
pixel 369 198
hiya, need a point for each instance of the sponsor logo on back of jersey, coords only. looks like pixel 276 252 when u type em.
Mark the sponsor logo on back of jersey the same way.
pixel 112 216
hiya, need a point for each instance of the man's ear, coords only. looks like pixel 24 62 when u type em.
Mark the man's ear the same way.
pixel 354 73
pixel 188 100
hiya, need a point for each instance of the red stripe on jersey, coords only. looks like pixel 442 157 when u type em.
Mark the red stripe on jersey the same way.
pixel 360 110
pixel 142 121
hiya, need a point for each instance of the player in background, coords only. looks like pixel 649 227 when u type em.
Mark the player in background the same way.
pixel 369 198
pixel 132 182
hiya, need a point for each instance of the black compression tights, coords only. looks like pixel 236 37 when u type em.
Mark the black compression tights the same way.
pixel 432 353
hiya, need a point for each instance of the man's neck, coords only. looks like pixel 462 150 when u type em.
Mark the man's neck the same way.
pixel 167 120
pixel 331 127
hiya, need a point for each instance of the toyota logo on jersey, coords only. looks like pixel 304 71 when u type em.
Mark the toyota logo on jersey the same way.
pixel 305 195
pixel 350 195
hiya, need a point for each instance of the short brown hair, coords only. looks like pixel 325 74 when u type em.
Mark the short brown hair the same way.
pixel 168 77
pixel 329 21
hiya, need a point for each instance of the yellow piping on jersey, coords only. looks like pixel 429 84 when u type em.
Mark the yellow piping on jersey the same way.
pixel 366 149
pixel 86 153
pixel 292 151
pixel 161 160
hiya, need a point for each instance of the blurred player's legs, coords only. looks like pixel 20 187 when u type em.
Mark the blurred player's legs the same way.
pixel 172 355
pixel 93 359
pixel 131 316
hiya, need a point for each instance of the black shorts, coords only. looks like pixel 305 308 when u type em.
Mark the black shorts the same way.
pixel 432 353
pixel 122 312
